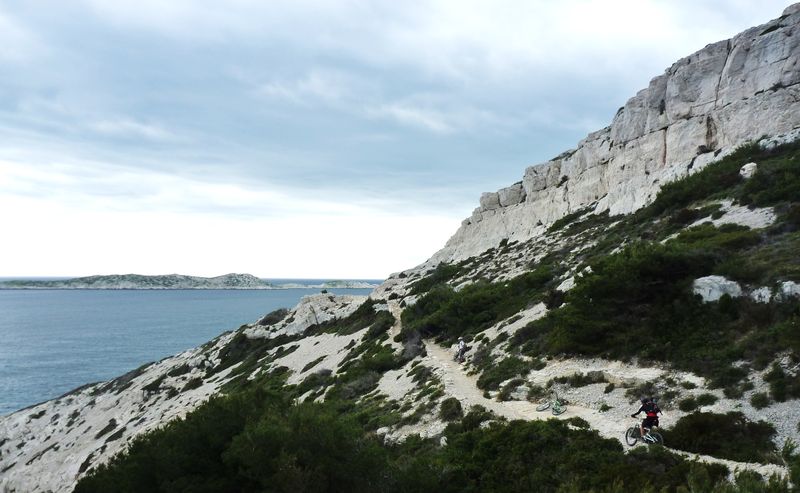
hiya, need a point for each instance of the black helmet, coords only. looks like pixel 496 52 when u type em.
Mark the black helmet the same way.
pixel 645 400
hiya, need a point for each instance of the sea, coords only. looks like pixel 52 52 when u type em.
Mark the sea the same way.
pixel 53 341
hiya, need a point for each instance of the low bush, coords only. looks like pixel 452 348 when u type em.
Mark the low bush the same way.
pixel 759 400
pixel 781 385
pixel 450 409
pixel 440 275
pixel 729 436
pixel 509 388
pixel 688 404
pixel 706 399
pixel 508 368
pixel 581 379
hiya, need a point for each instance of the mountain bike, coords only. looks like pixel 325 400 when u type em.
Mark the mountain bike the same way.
pixel 634 434
pixel 556 405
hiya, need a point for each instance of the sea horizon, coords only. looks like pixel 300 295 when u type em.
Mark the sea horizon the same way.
pixel 57 340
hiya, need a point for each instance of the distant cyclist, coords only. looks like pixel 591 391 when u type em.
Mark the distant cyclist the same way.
pixel 651 412
pixel 460 350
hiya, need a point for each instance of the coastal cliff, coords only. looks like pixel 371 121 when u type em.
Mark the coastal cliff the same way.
pixel 702 108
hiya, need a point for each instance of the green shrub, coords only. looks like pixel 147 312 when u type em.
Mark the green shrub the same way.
pixel 581 379
pixel 706 399
pixel 777 178
pixel 508 368
pixel 729 436
pixel 509 388
pixel 450 409
pixel 440 275
pixel 446 314
pixel 759 400
pixel 688 404
pixel 192 384
pixel 781 385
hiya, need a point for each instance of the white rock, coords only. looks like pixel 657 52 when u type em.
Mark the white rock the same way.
pixel 712 288
pixel 761 295
pixel 748 170
pixel 566 284
pixel 790 289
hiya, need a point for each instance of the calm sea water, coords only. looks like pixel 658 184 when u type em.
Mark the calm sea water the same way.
pixel 52 341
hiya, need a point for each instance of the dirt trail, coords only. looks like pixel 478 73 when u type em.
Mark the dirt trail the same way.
pixel 464 387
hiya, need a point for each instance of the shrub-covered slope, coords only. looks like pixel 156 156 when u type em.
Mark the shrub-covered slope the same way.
pixel 618 288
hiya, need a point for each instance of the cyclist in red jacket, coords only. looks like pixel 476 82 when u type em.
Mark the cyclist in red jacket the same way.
pixel 651 412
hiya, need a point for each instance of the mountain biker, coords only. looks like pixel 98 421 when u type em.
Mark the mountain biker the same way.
pixel 461 349
pixel 651 412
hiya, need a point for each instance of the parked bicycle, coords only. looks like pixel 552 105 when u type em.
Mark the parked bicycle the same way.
pixel 556 405
pixel 634 435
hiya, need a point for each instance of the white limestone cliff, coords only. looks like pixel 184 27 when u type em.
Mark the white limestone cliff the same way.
pixel 702 107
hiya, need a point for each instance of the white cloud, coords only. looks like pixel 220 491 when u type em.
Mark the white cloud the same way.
pixel 132 129
pixel 413 116
pixel 319 86
pixel 17 44
pixel 138 224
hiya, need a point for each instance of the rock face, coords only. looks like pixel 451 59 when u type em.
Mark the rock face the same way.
pixel 701 108
pixel 311 310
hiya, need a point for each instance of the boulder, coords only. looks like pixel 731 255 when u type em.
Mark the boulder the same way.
pixel 789 289
pixel 490 201
pixel 712 288
pixel 748 170
pixel 513 195
pixel 761 295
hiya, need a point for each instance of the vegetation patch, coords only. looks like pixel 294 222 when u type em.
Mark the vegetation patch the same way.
pixel 580 379
pixel 442 274
pixel 192 384
pixel 450 409
pixel 364 316
pixel 446 314
pixel 257 441
pixel 729 436
pixel 781 385
pixel 508 368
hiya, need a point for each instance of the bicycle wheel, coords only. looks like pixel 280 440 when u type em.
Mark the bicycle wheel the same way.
pixel 632 436
pixel 543 406
pixel 558 408
pixel 657 437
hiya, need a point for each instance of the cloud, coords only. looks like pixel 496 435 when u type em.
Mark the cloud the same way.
pixel 200 110
pixel 149 223
pixel 319 86
pixel 407 114
pixel 17 43
pixel 133 129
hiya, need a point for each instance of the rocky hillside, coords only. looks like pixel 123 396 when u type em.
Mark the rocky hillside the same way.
pixel 649 261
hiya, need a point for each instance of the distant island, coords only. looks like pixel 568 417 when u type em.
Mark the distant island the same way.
pixel 177 281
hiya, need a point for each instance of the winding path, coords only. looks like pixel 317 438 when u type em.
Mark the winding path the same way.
pixel 464 387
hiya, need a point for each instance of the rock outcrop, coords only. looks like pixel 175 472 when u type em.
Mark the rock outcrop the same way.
pixel 712 288
pixel 701 108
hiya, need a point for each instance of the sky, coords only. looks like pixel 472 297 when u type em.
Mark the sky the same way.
pixel 301 139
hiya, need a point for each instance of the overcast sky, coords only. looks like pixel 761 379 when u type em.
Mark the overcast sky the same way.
pixel 302 138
